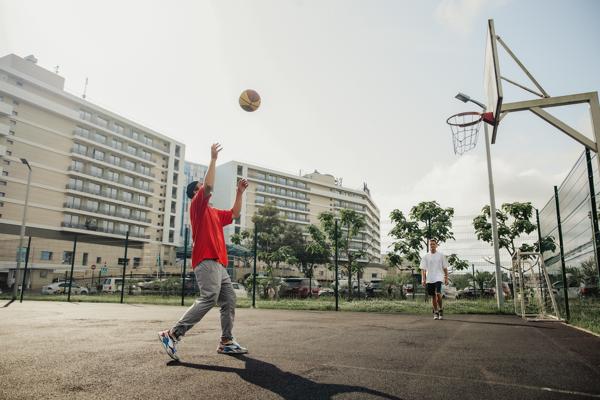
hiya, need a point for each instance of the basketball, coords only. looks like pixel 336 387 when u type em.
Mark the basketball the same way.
pixel 249 100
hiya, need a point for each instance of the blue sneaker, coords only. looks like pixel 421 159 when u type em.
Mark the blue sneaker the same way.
pixel 231 347
pixel 168 343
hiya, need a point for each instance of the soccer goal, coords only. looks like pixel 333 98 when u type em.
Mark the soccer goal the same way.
pixel 534 297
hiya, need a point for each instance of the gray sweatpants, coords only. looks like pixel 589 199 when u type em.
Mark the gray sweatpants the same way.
pixel 215 287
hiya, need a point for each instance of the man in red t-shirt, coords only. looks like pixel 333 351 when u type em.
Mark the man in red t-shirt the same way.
pixel 209 258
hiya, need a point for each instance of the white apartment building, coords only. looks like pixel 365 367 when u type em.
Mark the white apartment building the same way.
pixel 95 173
pixel 300 200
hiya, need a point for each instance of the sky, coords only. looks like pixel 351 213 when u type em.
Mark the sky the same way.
pixel 357 89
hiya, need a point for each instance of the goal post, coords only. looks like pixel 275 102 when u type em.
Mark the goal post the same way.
pixel 534 297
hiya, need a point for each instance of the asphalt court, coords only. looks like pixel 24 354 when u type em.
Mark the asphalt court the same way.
pixel 108 351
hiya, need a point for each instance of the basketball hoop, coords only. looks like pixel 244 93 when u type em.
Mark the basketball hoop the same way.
pixel 465 129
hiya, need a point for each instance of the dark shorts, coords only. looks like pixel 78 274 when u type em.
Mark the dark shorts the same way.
pixel 433 288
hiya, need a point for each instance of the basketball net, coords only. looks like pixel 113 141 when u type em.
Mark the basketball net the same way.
pixel 465 130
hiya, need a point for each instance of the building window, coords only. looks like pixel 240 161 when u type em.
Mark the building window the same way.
pixel 131 150
pixel 114 160
pixel 94 188
pixel 98 155
pixel 92 205
pixel 148 141
pixel 8 153
pixel 67 257
pixel 136 262
pixel 135 135
pixel 102 122
pixel 6 162
pixel 126 196
pixel 112 175
pixel 96 171
pixel 82 131
pixel 46 255
pixel 98 260
pixel 8 141
pixel 84 261
pixel 110 192
pixel 129 165
pixel 177 151
pixel 240 170
pixel 118 128
pixel 99 137
pixel 79 148
pixel 127 180
pixel 85 115
pixel 117 144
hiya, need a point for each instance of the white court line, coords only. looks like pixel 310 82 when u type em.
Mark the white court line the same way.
pixel 514 385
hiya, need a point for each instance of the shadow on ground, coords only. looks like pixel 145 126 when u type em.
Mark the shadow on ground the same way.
pixel 285 384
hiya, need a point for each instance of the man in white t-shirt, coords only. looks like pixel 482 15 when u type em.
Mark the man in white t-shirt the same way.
pixel 434 269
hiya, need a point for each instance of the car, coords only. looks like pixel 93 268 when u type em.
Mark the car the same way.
pixel 111 285
pixel 449 292
pixel 573 290
pixel 326 292
pixel 470 293
pixel 63 287
pixel 239 290
pixel 588 290
pixel 299 287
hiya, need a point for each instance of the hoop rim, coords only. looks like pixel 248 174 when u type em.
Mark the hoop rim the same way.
pixel 465 124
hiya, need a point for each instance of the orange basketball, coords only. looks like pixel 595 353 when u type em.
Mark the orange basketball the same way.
pixel 249 100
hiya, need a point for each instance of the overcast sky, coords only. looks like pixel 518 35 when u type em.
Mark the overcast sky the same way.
pixel 358 89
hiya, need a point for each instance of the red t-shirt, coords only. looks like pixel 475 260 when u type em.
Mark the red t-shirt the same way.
pixel 207 230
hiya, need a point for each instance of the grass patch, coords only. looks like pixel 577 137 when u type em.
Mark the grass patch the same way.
pixel 585 313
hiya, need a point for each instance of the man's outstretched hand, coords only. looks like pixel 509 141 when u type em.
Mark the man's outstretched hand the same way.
pixel 214 151
pixel 242 186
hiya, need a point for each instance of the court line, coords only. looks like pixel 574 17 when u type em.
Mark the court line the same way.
pixel 514 385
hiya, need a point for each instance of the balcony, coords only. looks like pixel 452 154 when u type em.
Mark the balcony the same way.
pixel 5 109
pixel 114 231
pixel 4 130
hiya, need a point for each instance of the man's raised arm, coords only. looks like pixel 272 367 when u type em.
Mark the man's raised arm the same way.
pixel 209 179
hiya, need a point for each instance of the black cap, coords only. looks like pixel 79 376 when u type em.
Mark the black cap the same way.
pixel 190 189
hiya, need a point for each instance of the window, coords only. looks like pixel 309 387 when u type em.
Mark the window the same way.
pixel 146 155
pixel 129 165
pixel 126 196
pixel 135 135
pixel 240 170
pixel 76 184
pixel 110 192
pixel 260 199
pixel 85 115
pixel 148 141
pixel 46 255
pixel 112 175
pixel 102 121
pixel 127 180
pixel 136 262
pixel 82 131
pixel 142 200
pixel 98 260
pixel 94 188
pixel 6 162
pixel 84 261
pixel 117 144
pixel 131 149
pixel 114 160
pixel 98 155
pixel 4 173
pixel 92 205
pixel 96 171
pixel 125 212
pixel 145 170
pixel 44 273
pixel 8 141
pixel 73 201
pixel 118 128
pixel 99 137
pixel 177 151
pixel 374 275
pixel 80 148
pixel 67 257
pixel 237 230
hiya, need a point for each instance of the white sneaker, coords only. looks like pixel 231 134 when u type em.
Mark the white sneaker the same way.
pixel 168 343
pixel 436 315
pixel 231 347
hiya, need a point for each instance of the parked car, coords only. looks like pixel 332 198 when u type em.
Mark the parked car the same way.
pixel 299 287
pixel 343 288
pixel 449 291
pixel 471 293
pixel 588 290
pixel 112 285
pixel 573 290
pixel 63 287
pixel 239 290
pixel 326 292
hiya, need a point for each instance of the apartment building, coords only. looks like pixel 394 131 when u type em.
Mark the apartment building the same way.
pixel 300 200
pixel 95 174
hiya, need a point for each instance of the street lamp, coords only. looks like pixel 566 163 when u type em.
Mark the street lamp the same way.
pixel 17 280
pixel 499 293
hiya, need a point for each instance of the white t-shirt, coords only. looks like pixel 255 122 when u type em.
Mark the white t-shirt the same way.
pixel 434 264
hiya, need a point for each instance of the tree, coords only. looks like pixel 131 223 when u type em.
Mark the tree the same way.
pixel 513 220
pixel 456 263
pixel 426 220
pixel 350 223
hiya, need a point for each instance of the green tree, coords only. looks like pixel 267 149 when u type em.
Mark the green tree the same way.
pixel 513 220
pixel 350 223
pixel 426 220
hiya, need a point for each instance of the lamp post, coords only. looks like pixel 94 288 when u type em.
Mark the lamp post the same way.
pixel 499 293
pixel 16 286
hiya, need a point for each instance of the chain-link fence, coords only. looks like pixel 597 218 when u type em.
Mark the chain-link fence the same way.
pixel 573 226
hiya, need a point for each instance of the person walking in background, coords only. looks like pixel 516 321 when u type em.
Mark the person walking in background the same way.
pixel 434 269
